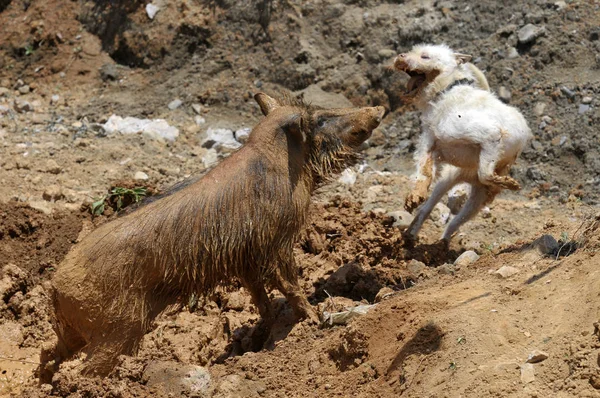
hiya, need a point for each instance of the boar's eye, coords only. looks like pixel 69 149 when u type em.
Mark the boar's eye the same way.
pixel 321 122
pixel 424 56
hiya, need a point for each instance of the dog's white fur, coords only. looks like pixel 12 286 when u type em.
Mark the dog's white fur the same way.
pixel 468 135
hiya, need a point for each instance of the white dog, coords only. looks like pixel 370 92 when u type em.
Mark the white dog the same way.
pixel 468 135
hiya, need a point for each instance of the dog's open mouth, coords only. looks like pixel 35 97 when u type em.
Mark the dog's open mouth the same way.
pixel 416 81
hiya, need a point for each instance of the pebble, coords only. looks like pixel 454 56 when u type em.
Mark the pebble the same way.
pixel 537 356
pixel 539 108
pixel 210 158
pixel 529 33
pixel 447 269
pixel 4 92
pixel 512 53
pixel 504 94
pixel 348 177
pixel 199 120
pixel 416 268
pixel 527 373
pixel 586 100
pixel 220 139
pixel 506 271
pixel 24 89
pixel 53 193
pixel 546 244
pixel 568 92
pixel 22 106
pixel 109 72
pixel 402 218
pixel 42 206
pixel 242 135
pixel 52 167
pixel 54 99
pixel 560 5
pixel 4 109
pixel 197 108
pixel 176 103
pixel 595 381
pixel 156 129
pixel 440 214
pixel 583 108
pixel 386 53
pixel 152 10
pixel 466 259
pixel 140 176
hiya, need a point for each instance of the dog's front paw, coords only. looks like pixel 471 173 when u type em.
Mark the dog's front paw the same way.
pixel 413 200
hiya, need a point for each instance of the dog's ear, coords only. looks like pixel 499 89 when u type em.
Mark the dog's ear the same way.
pixel 462 58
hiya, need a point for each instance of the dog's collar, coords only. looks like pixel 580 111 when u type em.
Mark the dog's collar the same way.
pixel 461 82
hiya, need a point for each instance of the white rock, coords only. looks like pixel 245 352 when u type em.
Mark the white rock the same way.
pixel 42 206
pixel 54 99
pixel 4 110
pixel 157 129
pixel 242 135
pixel 140 176
pixel 440 214
pixel 512 53
pixel 457 197
pixel 22 106
pixel 348 176
pixel 586 100
pixel 199 120
pixel 539 108
pixel 527 373
pixel 152 10
pixel 402 218
pixel 506 271
pixel 210 158
pixel 176 103
pixel 197 108
pixel 467 258
pixel 529 33
pixel 220 139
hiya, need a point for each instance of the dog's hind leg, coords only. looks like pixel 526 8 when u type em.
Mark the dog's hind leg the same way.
pixel 477 199
pixel 488 159
pixel 450 177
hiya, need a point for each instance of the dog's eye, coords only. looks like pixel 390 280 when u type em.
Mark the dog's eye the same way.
pixel 424 56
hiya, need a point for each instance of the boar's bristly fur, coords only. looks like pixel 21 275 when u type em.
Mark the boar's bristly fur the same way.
pixel 238 222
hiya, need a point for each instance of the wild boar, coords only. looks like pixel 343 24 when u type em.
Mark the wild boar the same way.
pixel 239 222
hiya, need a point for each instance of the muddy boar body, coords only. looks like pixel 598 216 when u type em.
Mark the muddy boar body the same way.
pixel 239 222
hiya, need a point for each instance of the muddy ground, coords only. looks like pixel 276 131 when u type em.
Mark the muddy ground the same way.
pixel 438 329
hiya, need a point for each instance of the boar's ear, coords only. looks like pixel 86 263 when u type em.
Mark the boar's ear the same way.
pixel 292 127
pixel 266 103
pixel 462 58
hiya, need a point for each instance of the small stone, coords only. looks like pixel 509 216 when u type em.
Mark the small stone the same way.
pixel 22 106
pixel 42 206
pixel 242 135
pixel 440 214
pixel 546 119
pixel 4 110
pixel 18 84
pixel 140 176
pixel 583 108
pixel 199 120
pixel 546 244
pixel 537 356
pixel 586 100
pixel 386 53
pixel 457 197
pixel 539 108
pixel 527 373
pixel 53 193
pixel 210 158
pixel 447 269
pixel 176 103
pixel 348 177
pixel 466 259
pixel 4 92
pixel 197 108
pixel 568 92
pixel 109 72
pixel 416 268
pixel 152 10
pixel 512 53
pixel 595 381
pixel 220 139
pixel 235 301
pixel 506 271
pixel 52 167
pixel 383 293
pixel 54 99
pixel 529 33
pixel 24 89
pixel 560 5
pixel 504 94
pixel 402 219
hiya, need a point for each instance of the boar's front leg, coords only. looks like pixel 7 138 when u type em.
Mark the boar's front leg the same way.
pixel 262 333
pixel 286 281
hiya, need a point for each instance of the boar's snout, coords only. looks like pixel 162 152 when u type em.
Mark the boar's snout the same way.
pixel 367 119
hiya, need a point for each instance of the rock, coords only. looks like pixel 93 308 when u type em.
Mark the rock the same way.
pixel 377 138
pixel 595 381
pixel 210 158
pixel 176 379
pixel 506 271
pixel 584 100
pixel 546 244
pixel 504 94
pixel 197 108
pixel 18 84
pixel 53 193
pixel 386 53
pixel 140 176
pixel 236 386
pixel 41 206
pixel 446 269
pixel 527 373
pixel 235 301
pixel 22 106
pixel 537 356
pixel 529 33
pixel 4 92
pixel 313 94
pixel 440 214
pixel 457 197
pixel 54 99
pixel 24 89
pixel 560 5
pixel 348 176
pixel 568 92
pixel 220 139
pixel 466 259
pixel 402 219
pixel 512 53
pixel 4 109
pixel 416 268
pixel 156 129
pixel 583 108
pixel 176 103
pixel 242 135
pixel 109 72
pixel 199 120
pixel 52 167
pixel 152 10
pixel 539 108
pixel 383 294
